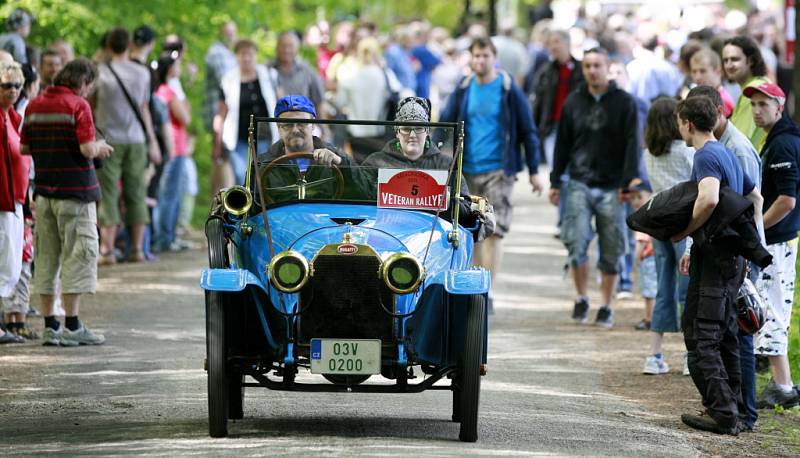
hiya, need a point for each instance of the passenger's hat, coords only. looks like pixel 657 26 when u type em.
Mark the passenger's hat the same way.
pixel 413 109
pixel 295 103
pixel 771 90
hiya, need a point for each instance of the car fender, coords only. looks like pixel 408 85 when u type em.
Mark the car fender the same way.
pixel 228 280
pixel 475 280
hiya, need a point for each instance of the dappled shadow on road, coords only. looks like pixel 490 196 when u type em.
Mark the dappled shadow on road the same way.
pixel 347 426
pixel 107 436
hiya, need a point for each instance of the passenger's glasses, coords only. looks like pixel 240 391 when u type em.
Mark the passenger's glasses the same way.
pixel 408 130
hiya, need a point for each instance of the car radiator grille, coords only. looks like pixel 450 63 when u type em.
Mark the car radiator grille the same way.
pixel 342 300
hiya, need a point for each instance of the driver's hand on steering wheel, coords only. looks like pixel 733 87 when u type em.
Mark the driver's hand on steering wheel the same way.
pixel 326 157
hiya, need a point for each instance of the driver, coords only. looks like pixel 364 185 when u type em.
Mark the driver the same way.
pixel 298 138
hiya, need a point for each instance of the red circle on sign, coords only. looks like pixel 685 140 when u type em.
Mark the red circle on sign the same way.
pixel 347 249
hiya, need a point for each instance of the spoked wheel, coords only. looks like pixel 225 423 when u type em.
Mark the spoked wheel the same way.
pixel 216 345
pixel 470 370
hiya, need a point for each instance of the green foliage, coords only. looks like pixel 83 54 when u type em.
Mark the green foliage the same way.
pixel 794 331
pixel 83 22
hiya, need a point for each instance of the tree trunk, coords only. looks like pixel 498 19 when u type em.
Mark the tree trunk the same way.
pixel 796 74
pixel 492 18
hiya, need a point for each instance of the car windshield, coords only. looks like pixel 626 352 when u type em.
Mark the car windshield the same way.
pixel 389 165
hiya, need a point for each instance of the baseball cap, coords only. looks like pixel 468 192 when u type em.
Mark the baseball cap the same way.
pixel 295 103
pixel 771 90
pixel 143 35
pixel 18 18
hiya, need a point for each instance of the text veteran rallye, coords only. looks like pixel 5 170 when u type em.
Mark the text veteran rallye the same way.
pixel 348 272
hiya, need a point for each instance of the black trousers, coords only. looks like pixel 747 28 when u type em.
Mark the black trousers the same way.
pixel 710 330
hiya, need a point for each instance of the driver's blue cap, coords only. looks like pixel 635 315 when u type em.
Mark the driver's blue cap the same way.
pixel 295 103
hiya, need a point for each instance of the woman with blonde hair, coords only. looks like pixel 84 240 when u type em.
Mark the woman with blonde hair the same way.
pixel 370 77
pixel 14 176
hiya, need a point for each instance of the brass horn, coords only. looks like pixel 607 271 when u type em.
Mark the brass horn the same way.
pixel 237 200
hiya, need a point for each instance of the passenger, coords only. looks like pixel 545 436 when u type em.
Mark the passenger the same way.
pixel 411 147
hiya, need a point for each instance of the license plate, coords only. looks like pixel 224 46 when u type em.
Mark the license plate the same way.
pixel 345 356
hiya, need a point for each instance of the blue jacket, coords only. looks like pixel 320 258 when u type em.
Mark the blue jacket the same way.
pixel 516 117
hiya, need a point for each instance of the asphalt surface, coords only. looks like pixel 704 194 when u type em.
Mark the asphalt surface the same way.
pixel 144 391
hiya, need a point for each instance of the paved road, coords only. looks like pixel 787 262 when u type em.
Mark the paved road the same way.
pixel 144 391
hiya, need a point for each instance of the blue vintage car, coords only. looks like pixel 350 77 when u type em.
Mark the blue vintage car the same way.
pixel 345 278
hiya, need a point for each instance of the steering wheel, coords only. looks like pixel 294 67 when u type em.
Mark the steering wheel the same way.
pixel 301 187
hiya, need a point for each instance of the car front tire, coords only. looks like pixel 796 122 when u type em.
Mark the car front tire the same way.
pixel 216 349
pixel 470 370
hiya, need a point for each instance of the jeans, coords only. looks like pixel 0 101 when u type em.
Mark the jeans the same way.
pixel 170 192
pixel 671 286
pixel 549 146
pixel 583 202
pixel 239 163
pixel 747 359
pixel 627 260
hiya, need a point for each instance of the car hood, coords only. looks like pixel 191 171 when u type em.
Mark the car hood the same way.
pixel 307 227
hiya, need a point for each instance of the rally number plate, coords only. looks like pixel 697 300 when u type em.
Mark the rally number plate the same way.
pixel 345 356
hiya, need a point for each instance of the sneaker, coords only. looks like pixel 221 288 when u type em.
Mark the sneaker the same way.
pixel 28 332
pixel 605 317
pixel 52 337
pixel 704 422
pixel 81 336
pixel 624 295
pixel 106 259
pixel 643 325
pixel 136 256
pixel 581 311
pixel 10 338
pixel 772 396
pixel 655 366
pixel 686 364
pixel 183 244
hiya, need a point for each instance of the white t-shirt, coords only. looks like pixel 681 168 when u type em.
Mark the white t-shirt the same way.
pixel 363 95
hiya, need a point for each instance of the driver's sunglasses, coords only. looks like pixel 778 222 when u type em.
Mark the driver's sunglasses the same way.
pixel 8 86
pixel 286 127
pixel 408 130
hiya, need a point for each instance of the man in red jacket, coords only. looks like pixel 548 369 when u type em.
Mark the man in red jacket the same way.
pixel 59 133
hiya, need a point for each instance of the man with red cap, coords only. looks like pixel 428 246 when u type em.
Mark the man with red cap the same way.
pixel 780 186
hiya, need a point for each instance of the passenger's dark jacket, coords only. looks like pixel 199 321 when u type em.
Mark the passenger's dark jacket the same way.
pixel 598 140
pixel 780 176
pixel 392 157
pixel 432 159
pixel 516 117
pixel 731 224
pixel 545 85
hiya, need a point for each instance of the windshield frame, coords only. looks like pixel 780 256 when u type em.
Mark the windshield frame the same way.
pixel 454 128
pixel 455 168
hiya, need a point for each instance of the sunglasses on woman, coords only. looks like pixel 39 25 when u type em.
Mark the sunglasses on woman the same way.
pixel 8 86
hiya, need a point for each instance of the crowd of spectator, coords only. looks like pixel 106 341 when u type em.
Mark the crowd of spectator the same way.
pixel 618 103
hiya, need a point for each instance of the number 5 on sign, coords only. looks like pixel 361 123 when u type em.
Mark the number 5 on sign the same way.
pixel 413 189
